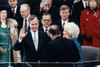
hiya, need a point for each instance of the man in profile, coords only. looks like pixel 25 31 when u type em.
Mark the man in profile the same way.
pixel 60 49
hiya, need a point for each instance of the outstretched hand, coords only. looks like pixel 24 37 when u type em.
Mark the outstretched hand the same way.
pixel 22 33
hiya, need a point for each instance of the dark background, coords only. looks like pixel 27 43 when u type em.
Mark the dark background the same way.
pixel 33 3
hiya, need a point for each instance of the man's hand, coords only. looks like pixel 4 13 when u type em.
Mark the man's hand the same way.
pixel 41 6
pixel 22 33
pixel 46 8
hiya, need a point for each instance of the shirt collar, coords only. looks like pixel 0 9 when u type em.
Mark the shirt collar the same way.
pixel 33 32
pixel 27 17
pixel 45 28
pixel 14 9
pixel 84 3
pixel 64 21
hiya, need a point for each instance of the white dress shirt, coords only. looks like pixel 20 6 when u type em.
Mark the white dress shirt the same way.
pixel 64 22
pixel 35 40
pixel 27 21
pixel 84 3
pixel 45 29
pixel 15 9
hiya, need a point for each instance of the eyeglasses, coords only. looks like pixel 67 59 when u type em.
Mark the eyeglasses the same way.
pixel 46 20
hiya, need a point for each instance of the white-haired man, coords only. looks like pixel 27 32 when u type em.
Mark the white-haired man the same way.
pixel 25 14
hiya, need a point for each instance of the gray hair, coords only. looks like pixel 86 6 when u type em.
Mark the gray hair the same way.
pixel 26 5
pixel 32 17
pixel 72 29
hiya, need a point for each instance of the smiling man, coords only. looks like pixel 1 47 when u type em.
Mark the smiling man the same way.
pixel 46 22
pixel 64 14
pixel 33 42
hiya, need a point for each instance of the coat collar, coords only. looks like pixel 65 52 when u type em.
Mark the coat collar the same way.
pixel 92 10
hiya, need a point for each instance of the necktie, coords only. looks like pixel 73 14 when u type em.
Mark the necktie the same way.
pixel 46 30
pixel 25 25
pixel 35 41
pixel 86 5
pixel 63 25
pixel 14 12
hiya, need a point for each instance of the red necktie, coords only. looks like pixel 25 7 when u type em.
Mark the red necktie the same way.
pixel 14 12
pixel 46 30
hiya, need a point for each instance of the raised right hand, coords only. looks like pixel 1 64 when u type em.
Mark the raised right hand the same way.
pixel 22 33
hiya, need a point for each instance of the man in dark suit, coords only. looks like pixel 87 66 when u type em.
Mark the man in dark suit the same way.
pixel 65 17
pixel 76 13
pixel 46 22
pixel 46 6
pixel 60 49
pixel 13 9
pixel 25 14
pixel 77 8
pixel 23 20
pixel 33 42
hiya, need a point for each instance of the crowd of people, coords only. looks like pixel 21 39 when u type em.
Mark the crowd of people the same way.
pixel 49 31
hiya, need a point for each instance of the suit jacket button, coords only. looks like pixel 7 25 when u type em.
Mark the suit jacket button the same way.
pixel 87 19
pixel 87 27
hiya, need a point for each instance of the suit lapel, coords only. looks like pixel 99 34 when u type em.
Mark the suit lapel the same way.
pixel 61 24
pixel 82 5
pixel 11 11
pixel 17 12
pixel 39 40
pixel 31 40
pixel 43 29
pixel 39 37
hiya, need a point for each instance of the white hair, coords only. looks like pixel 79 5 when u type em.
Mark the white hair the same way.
pixel 26 6
pixel 72 29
